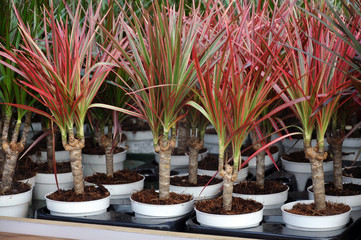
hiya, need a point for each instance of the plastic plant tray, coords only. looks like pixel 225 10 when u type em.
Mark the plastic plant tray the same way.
pixel 121 215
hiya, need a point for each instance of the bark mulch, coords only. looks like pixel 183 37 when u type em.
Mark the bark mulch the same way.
pixel 61 167
pixel 239 206
pixel 17 187
pixel 202 180
pixel 210 162
pixel 251 187
pixel 119 177
pixel 25 168
pixel 94 149
pixel 90 193
pixel 299 156
pixel 354 172
pixel 250 151
pixel 150 196
pixel 134 125
pixel 309 209
pixel 349 189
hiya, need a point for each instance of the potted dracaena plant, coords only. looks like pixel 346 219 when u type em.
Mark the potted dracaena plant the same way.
pixel 56 76
pixel 348 24
pixel 103 159
pixel 313 69
pixel 158 61
pixel 14 197
pixel 234 94
pixel 200 185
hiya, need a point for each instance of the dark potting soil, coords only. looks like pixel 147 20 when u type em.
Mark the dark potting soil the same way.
pixel 177 152
pixel 119 177
pixel 349 189
pixel 150 196
pixel 251 187
pixel 94 149
pixel 41 146
pixel 250 151
pixel 211 131
pixel 202 180
pixel 17 187
pixel 135 124
pixel 90 193
pixel 210 162
pixel 61 167
pixel 299 156
pixel 25 168
pixel 354 172
pixel 309 209
pixel 239 206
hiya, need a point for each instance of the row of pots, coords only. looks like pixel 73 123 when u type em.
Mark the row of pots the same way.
pixel 350 146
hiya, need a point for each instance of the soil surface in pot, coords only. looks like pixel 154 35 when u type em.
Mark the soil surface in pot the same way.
pixel 61 167
pixel 210 162
pixel 251 187
pixel 134 125
pixel 250 151
pixel 202 180
pixel 177 152
pixel 349 189
pixel 25 168
pixel 90 193
pixel 309 209
pixel 150 196
pixel 119 177
pixel 354 172
pixel 94 149
pixel 239 206
pixel 41 146
pixel 299 156
pixel 211 131
pixel 17 187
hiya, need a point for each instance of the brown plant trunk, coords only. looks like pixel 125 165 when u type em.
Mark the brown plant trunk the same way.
pixel 50 150
pixel 316 159
pixel 108 148
pixel 260 160
pixel 195 145
pixel 336 150
pixel 183 135
pixel 74 146
pixel 227 175
pixel 165 152
pixel 12 150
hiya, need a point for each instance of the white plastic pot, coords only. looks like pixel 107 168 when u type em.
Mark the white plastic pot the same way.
pixel 211 142
pixel 199 193
pixel 160 211
pixel 180 161
pixel 313 223
pixel 30 181
pixel 294 145
pixel 60 156
pixel 351 146
pixel 242 174
pixel 269 201
pixel 77 209
pixel 121 191
pixel 302 171
pixel 16 205
pixel 351 179
pixel 139 141
pixel 96 163
pixel 353 201
pixel 45 183
pixel 229 221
